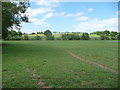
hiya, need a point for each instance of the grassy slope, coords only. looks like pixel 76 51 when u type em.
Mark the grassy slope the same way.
pixel 56 67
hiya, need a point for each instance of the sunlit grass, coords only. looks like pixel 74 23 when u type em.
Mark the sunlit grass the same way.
pixel 56 67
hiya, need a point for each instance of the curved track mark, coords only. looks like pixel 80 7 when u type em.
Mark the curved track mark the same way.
pixel 91 62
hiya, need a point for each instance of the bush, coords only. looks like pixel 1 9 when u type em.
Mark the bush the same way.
pixel 33 33
pixel 14 38
pixel 102 37
pixel 26 37
pixel 118 36
pixel 85 36
pixel 113 38
pixel 64 37
pixel 49 37
pixel 107 38
pixel 8 37
pixel 47 32
pixel 58 38
pixel 96 38
pixel 77 37
pixel 37 37
pixel 18 38
pixel 72 36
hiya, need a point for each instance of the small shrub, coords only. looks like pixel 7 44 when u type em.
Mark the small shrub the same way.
pixel 49 37
pixel 113 38
pixel 85 36
pixel 107 38
pixel 26 37
pixel 102 37
pixel 18 38
pixel 118 36
pixel 96 38
pixel 58 38
pixel 37 37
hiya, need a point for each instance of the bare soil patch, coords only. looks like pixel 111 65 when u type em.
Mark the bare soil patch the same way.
pixel 91 62
pixel 36 76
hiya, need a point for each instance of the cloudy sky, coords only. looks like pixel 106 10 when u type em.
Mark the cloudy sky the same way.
pixel 71 16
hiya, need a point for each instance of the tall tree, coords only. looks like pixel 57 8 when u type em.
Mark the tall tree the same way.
pixel 13 13
pixel 47 32
pixel 85 36
pixel 106 32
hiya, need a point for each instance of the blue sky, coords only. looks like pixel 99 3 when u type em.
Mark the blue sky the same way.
pixel 72 16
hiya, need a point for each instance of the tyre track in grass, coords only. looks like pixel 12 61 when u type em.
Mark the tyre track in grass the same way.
pixel 35 75
pixel 91 62
pixel 84 82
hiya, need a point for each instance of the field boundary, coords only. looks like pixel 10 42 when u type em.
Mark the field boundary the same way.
pixel 91 62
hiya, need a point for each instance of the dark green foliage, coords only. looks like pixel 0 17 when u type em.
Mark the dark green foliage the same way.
pixel 107 38
pixel 49 37
pixel 106 32
pixel 64 37
pixel 85 36
pixel 47 32
pixel 113 34
pixel 104 37
pixel 26 37
pixel 37 37
pixel 12 33
pixel 33 33
pixel 98 32
pixel 58 38
pixel 19 33
pixel 11 15
pixel 14 38
pixel 96 38
pixel 118 36
pixel 113 38
pixel 17 38
pixel 71 37
pixel 40 33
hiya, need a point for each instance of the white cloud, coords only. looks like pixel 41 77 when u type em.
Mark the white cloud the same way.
pixel 35 12
pixel 69 15
pixel 83 18
pixel 41 22
pixel 95 24
pixel 48 15
pixel 48 3
pixel 90 9
pixel 79 14
pixel 60 14
pixel 46 11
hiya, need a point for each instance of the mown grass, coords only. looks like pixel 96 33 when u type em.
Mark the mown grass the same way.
pixel 56 67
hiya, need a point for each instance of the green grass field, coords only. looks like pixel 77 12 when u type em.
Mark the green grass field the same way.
pixel 48 64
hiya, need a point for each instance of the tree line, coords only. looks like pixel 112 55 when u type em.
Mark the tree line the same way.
pixel 104 35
